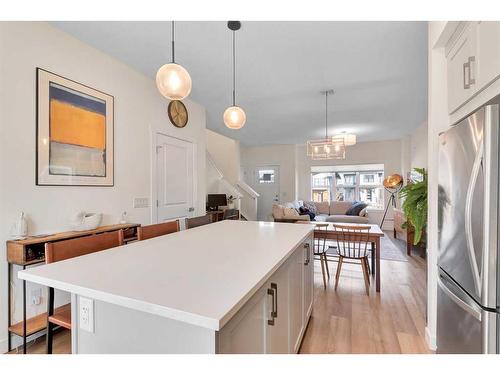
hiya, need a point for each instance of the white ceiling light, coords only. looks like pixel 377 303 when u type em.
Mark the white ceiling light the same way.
pixel 234 116
pixel 349 139
pixel 327 148
pixel 172 80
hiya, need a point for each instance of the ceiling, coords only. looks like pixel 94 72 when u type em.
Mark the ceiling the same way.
pixel 377 69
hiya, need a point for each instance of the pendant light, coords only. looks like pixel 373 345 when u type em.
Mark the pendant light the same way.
pixel 172 80
pixel 327 148
pixel 234 116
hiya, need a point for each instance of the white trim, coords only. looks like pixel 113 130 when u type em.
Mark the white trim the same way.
pixel 154 131
pixel 430 339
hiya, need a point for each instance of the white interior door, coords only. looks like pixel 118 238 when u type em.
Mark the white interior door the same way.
pixel 266 181
pixel 174 178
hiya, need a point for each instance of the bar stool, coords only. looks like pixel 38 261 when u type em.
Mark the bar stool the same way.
pixel 155 230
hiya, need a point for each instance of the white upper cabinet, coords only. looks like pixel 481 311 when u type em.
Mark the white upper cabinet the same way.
pixel 488 52
pixel 461 68
pixel 473 61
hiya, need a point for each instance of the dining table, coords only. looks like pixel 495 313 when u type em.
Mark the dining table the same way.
pixel 330 232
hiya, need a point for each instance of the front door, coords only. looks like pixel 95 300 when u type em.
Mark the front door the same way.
pixel 266 181
pixel 174 178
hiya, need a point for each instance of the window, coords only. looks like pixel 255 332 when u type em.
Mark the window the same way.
pixel 266 176
pixel 349 183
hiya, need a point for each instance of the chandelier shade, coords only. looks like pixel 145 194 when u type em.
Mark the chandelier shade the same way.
pixel 234 117
pixel 349 139
pixel 324 149
pixel 173 80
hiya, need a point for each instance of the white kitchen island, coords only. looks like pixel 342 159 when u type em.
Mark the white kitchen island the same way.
pixel 227 287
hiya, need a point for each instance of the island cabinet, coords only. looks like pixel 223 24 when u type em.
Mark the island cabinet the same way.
pixel 274 320
pixel 250 290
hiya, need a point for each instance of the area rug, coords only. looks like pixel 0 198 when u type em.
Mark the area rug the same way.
pixel 392 248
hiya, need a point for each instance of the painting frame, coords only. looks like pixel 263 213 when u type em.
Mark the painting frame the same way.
pixel 74 133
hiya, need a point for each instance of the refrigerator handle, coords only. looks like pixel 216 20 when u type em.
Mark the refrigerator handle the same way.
pixel 468 218
pixel 476 313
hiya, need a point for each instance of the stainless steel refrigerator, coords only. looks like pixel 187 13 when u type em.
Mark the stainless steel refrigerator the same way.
pixel 468 241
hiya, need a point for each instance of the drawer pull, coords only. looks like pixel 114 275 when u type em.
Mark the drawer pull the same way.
pixel 270 292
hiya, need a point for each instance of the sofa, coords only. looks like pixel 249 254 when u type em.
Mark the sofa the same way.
pixel 334 212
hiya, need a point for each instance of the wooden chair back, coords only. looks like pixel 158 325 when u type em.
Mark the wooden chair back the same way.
pixel 155 230
pixel 198 221
pixel 61 250
pixel 320 238
pixel 230 214
pixel 352 240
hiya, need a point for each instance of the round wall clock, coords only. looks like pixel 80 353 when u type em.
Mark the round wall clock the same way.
pixel 177 113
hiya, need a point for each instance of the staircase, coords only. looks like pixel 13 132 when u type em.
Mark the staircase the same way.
pixel 246 197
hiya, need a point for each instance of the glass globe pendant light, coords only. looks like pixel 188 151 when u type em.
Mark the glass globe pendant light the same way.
pixel 172 80
pixel 234 116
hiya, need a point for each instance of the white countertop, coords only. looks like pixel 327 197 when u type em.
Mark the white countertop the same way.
pixel 200 276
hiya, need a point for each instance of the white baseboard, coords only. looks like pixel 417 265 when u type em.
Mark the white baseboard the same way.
pixel 430 339
pixel 3 345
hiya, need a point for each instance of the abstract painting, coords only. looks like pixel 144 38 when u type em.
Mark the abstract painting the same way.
pixel 75 133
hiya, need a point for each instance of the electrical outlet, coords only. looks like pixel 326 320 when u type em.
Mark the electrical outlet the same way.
pixel 36 296
pixel 86 314
pixel 141 202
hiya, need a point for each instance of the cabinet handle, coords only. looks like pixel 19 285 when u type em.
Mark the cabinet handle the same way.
pixel 472 81
pixel 308 254
pixel 271 293
pixel 275 310
pixel 466 84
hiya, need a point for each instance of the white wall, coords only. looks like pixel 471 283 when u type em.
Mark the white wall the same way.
pixel 138 106
pixel 438 121
pixel 418 147
pixel 226 155
pixel 282 155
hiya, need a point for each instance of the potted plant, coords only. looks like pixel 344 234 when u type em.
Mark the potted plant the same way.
pixel 414 206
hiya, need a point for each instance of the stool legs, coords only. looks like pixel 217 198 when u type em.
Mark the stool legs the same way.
pixel 339 267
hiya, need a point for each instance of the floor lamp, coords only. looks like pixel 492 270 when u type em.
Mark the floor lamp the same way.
pixel 393 185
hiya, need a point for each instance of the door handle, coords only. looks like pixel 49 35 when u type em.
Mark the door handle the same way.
pixel 190 209
pixel 271 293
pixel 466 84
pixel 472 59
pixel 474 312
pixel 308 254
pixel 275 299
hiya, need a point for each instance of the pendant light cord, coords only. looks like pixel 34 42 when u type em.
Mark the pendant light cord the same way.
pixel 173 42
pixel 326 115
pixel 234 71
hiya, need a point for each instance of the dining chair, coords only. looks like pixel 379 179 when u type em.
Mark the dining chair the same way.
pixel 66 249
pixel 321 247
pixel 155 230
pixel 198 221
pixel 352 244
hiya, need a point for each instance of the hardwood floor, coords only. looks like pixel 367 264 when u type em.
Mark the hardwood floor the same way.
pixel 349 321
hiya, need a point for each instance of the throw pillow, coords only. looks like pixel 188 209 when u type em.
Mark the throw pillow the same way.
pixel 356 208
pixel 311 207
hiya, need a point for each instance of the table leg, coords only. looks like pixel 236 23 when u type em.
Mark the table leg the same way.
pixel 24 315
pixel 373 258
pixel 9 339
pixel 377 264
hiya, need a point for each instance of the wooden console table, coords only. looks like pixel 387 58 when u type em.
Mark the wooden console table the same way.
pixel 31 251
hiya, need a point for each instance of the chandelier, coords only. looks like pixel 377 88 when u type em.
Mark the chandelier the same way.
pixel 327 148
pixel 349 139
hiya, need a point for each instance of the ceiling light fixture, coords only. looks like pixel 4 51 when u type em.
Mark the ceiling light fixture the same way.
pixel 172 80
pixel 327 148
pixel 234 116
pixel 349 139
